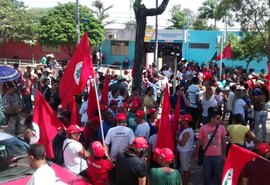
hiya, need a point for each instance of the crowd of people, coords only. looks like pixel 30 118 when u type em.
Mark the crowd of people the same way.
pixel 216 111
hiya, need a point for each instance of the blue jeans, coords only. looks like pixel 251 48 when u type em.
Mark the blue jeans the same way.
pixel 212 167
pixel 260 117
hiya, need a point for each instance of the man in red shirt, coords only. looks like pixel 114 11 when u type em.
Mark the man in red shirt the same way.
pixel 99 165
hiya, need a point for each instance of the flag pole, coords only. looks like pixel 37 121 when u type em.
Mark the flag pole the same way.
pixel 99 115
pixel 220 67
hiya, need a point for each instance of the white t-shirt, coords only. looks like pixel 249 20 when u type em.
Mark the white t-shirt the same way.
pixel 212 102
pixel 189 144
pixel 230 100
pixel 83 112
pixel 72 160
pixel 239 107
pixel 143 130
pixel 193 91
pixel 43 176
pixel 119 137
pixel 153 141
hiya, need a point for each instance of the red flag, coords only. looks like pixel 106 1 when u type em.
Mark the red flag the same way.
pixel 175 123
pixel 105 92
pixel 267 77
pixel 92 107
pixel 233 166
pixel 74 113
pixel 226 53
pixel 48 123
pixel 164 127
pixel 77 72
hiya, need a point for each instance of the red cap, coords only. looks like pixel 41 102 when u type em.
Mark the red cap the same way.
pixel 186 117
pixel 134 104
pixel 166 154
pixel 113 102
pixel 140 142
pixel 74 129
pixel 124 105
pixel 103 107
pixel 152 111
pixel 140 113
pixel 98 149
pixel 263 148
pixel 121 116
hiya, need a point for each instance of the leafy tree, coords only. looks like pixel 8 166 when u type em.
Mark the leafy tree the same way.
pixel 141 12
pixel 247 48
pixel 58 27
pixel 214 9
pixel 100 12
pixel 200 24
pixel 254 16
pixel 14 20
pixel 181 19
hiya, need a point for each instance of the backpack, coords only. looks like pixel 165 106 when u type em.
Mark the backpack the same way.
pixel 58 148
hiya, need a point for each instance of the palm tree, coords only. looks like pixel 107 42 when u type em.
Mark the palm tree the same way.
pixel 212 9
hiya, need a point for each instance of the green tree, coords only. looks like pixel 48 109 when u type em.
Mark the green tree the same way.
pixel 201 24
pixel 247 48
pixel 101 12
pixel 58 27
pixel 214 9
pixel 181 19
pixel 141 13
pixel 253 16
pixel 14 20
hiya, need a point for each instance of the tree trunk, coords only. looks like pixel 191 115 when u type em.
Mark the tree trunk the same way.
pixel 141 12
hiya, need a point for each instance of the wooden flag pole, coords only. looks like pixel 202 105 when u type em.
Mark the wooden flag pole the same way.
pixel 99 115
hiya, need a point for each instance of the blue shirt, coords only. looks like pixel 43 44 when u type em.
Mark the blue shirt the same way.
pixel 106 127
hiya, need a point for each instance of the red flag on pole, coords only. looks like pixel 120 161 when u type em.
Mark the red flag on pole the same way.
pixel 92 108
pixel 74 113
pixel 175 123
pixel 226 53
pixel 77 72
pixel 48 123
pixel 164 127
pixel 105 92
pixel 234 166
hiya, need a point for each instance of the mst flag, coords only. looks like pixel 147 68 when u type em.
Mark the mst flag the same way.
pixel 48 123
pixel 92 106
pixel 164 136
pixel 234 165
pixel 226 53
pixel 77 72
pixel 74 120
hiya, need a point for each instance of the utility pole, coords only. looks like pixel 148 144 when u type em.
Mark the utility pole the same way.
pixel 78 22
pixel 156 40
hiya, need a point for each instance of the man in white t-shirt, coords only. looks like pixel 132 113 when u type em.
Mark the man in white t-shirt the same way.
pixel 44 174
pixel 120 137
pixel 143 128
pixel 73 151
pixel 83 112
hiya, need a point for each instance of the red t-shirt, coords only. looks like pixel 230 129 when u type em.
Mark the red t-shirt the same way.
pixel 98 170
pixel 207 75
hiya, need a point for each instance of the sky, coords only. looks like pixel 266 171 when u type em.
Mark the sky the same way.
pixel 121 11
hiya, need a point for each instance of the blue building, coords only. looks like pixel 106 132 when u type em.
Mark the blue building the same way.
pixel 199 46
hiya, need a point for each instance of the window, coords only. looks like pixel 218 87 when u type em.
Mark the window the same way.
pixel 199 45
pixel 119 48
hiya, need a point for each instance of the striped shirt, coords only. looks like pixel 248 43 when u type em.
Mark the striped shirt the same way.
pixel 193 91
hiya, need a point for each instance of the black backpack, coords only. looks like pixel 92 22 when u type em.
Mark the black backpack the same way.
pixel 58 148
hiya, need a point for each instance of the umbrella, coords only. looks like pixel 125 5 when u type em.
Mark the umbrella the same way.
pixel 8 74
